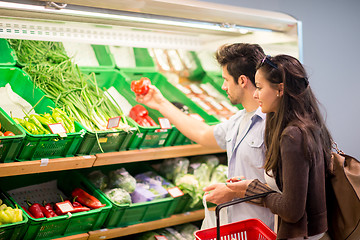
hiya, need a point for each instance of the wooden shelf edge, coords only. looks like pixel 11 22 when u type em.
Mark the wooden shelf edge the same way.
pixel 46 165
pixel 153 154
pixel 83 236
pixel 148 226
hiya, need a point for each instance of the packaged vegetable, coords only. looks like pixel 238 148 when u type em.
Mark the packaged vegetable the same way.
pixel 170 168
pixel 219 174
pixel 118 196
pixel 187 230
pixel 145 192
pixel 99 179
pixel 120 178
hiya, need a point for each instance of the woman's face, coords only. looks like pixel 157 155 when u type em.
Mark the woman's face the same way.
pixel 267 96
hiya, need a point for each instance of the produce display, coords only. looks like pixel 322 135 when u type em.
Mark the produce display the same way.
pixel 63 82
pixel 204 94
pixel 39 123
pixel 122 188
pixel 81 201
pixel 9 214
pixel 192 175
pixel 4 133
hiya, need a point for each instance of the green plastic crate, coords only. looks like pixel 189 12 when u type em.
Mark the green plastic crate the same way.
pixel 60 226
pixel 172 94
pixel 7 54
pixel 122 215
pixel 146 137
pixel 12 231
pixel 104 57
pixel 39 146
pixel 10 145
pixel 106 141
pixel 143 60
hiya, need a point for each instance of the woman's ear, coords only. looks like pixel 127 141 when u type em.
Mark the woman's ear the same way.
pixel 281 89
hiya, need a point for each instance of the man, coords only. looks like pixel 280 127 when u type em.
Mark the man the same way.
pixel 242 135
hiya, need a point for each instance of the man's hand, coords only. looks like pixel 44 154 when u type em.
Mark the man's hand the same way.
pixel 219 193
pixel 152 99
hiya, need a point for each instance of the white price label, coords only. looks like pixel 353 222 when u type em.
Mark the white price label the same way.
pixel 44 162
pixel 164 123
pixel 175 192
pixel 113 122
pixel 160 237
pixel 196 116
pixel 65 206
pixel 58 128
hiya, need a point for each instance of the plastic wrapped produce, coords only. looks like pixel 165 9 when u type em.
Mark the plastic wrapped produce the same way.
pixel 142 193
pixel 190 185
pixel 99 179
pixel 187 230
pixel 118 195
pixel 147 235
pixel 153 179
pixel 219 174
pixel 202 173
pixel 120 178
pixel 170 168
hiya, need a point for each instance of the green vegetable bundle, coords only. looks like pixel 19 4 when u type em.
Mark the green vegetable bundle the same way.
pixel 54 72
pixel 39 124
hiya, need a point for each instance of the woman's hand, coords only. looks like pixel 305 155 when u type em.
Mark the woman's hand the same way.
pixel 239 187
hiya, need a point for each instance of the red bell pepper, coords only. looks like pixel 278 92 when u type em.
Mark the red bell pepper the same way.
pixel 49 210
pixel 140 115
pixel 35 210
pixel 141 86
pixel 86 199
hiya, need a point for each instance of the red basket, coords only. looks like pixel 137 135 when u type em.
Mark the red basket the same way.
pixel 250 229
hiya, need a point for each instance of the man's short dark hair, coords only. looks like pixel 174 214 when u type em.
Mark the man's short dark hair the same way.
pixel 240 59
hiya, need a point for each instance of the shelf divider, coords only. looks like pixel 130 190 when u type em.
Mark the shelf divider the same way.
pixel 153 154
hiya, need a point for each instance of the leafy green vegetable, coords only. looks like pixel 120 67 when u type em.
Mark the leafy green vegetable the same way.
pixel 99 179
pixel 118 196
pixel 120 178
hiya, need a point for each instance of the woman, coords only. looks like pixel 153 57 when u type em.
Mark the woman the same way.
pixel 298 147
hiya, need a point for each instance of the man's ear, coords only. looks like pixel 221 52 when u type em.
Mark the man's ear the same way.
pixel 243 80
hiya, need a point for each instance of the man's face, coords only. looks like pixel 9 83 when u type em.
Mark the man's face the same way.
pixel 233 90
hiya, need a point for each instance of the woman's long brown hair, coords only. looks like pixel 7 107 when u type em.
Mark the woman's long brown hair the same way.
pixel 298 107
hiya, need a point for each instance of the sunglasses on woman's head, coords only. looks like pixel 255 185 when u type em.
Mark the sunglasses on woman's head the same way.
pixel 267 60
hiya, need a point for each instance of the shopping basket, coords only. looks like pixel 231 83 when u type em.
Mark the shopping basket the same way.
pixel 250 229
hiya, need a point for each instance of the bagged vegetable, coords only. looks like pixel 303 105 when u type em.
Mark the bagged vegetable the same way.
pixel 187 230
pixel 219 174
pixel 170 168
pixel 120 178
pixel 188 183
pixel 99 179
pixel 145 192
pixel 118 196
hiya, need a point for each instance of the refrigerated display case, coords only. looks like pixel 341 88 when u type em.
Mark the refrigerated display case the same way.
pixel 189 25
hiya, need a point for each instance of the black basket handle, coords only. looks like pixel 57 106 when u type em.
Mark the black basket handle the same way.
pixel 233 202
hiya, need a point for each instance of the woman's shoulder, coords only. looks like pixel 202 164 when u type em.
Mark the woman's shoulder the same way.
pixel 292 133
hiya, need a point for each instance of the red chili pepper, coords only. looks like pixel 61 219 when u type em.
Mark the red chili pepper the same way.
pixel 86 199
pixel 50 209
pixel 78 207
pixel 35 210
pixel 141 86
pixel 27 211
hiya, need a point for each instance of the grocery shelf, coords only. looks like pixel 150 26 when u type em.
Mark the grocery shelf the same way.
pixel 148 226
pixel 45 165
pixel 83 236
pixel 153 154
